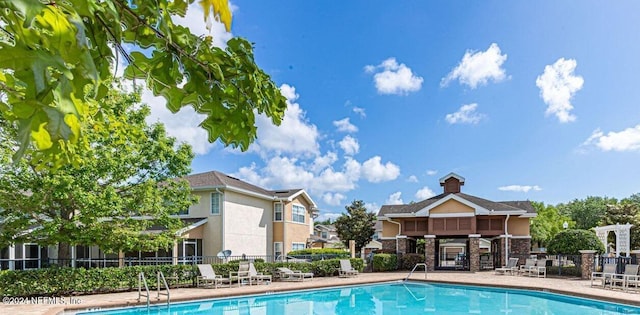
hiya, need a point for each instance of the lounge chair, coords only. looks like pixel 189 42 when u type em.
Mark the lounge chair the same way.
pixel 633 281
pixel 629 271
pixel 605 275
pixel 287 274
pixel 510 267
pixel 346 270
pixel 528 264
pixel 485 262
pixel 257 277
pixel 539 270
pixel 208 276
pixel 242 275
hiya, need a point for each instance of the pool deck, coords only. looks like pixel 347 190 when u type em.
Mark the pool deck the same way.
pixel 576 287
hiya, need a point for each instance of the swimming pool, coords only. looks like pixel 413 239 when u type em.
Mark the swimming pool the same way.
pixel 408 298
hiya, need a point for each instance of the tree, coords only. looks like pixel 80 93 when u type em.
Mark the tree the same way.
pixel 357 224
pixel 56 58
pixel 571 242
pixel 547 223
pixel 126 183
pixel 586 213
pixel 627 211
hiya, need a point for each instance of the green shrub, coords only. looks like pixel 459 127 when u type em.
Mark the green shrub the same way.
pixel 385 262
pixel 75 281
pixel 408 261
pixel 572 271
pixel 570 242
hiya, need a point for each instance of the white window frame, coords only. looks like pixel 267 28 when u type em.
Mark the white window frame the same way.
pixel 219 203
pixel 275 212
pixel 185 214
pixel 278 253
pixel 298 244
pixel 294 214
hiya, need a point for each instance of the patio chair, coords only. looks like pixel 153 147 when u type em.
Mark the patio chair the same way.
pixel 257 277
pixel 540 269
pixel 287 274
pixel 242 275
pixel 510 267
pixel 485 262
pixel 528 264
pixel 208 276
pixel 633 281
pixel 346 270
pixel 605 275
pixel 629 271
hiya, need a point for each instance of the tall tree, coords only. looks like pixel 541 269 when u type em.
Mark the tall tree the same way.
pixel 587 213
pixel 124 184
pixel 547 223
pixel 357 224
pixel 56 58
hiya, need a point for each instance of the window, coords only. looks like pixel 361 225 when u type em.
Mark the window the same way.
pixel 324 234
pixel 184 211
pixel 298 214
pixel 277 249
pixel 277 212
pixel 216 202
pixel 298 246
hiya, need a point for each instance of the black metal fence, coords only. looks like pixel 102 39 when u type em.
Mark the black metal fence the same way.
pixel 35 263
pixel 620 262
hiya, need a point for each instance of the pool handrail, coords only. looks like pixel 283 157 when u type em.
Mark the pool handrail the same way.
pixel 141 281
pixel 414 269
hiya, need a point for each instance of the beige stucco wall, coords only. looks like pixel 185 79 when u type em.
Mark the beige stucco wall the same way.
pixel 202 209
pixel 451 206
pixel 247 221
pixel 194 233
pixel 296 232
pixel 389 229
pixel 518 226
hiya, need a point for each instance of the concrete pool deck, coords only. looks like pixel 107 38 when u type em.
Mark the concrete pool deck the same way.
pixel 69 305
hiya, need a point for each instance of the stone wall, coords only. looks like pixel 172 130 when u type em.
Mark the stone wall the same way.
pixel 520 247
pixel 388 246
pixel 402 245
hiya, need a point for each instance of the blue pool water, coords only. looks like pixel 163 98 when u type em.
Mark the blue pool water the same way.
pixel 393 298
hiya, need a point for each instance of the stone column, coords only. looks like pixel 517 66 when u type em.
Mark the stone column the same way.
pixel 388 245
pixel 401 248
pixel 587 263
pixel 430 252
pixel 352 248
pixel 474 252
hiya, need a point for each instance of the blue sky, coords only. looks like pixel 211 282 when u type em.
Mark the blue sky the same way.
pixel 525 100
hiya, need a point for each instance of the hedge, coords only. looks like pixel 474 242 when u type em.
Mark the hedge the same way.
pixel 319 251
pixel 385 262
pixel 408 261
pixel 77 281
pixel 570 242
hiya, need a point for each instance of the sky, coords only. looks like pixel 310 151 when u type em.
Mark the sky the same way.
pixel 526 101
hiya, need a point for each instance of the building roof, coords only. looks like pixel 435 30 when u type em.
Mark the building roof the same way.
pixel 503 206
pixel 215 179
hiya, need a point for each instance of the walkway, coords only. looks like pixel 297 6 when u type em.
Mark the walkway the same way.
pixel 82 303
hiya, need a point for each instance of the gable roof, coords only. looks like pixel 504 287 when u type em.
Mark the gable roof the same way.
pixel 218 180
pixel 477 203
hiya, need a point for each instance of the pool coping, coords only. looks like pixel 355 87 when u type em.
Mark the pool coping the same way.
pixel 306 285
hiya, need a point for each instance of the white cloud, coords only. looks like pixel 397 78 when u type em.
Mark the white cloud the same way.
pixel 432 172
pixel 557 86
pixel 465 115
pixel 294 135
pixel 350 145
pixel 477 68
pixel 344 125
pixel 333 199
pixel 360 111
pixel 194 20
pixel 372 207
pixel 183 125
pixel 376 172
pixel 323 161
pixel 424 193
pixel 520 188
pixel 625 140
pixel 412 179
pixel 394 78
pixel 394 199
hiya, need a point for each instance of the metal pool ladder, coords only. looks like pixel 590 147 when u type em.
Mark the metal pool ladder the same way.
pixel 414 269
pixel 142 281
